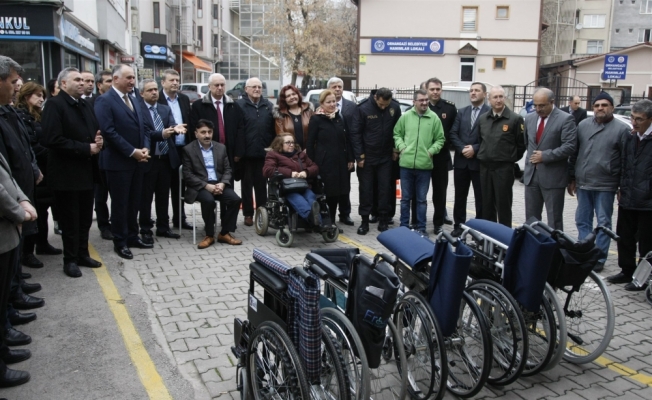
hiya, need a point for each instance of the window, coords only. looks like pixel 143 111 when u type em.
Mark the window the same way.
pixel 594 21
pixel 200 36
pixel 631 30
pixel 500 63
pixel 200 5
pixel 469 19
pixel 617 30
pixel 646 7
pixel 502 12
pixel 594 47
pixel 216 11
pixel 157 17
pixel 643 35
pixel 467 65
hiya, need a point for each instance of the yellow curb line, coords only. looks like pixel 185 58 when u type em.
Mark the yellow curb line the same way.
pixel 149 376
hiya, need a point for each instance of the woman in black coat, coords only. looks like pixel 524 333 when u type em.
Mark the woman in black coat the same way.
pixel 329 147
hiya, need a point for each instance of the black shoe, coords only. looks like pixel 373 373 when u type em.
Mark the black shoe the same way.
pixel 147 238
pixel 599 266
pixel 29 288
pixel 106 234
pixel 48 249
pixel 168 234
pixel 437 230
pixel 390 221
pixel 123 252
pixel 22 318
pixel 630 287
pixel 88 262
pixel 30 260
pixel 457 231
pixel 363 228
pixel 184 225
pixel 72 270
pixel 382 225
pixel 619 278
pixel 315 213
pixel 139 244
pixel 16 338
pixel 373 219
pixel 25 275
pixel 22 301
pixel 346 220
pixel 17 355
pixel 448 221
pixel 13 378
pixel 413 227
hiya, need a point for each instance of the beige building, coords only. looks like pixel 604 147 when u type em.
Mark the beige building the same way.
pixel 403 42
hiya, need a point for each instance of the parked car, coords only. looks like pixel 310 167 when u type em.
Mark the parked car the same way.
pixel 313 96
pixel 199 88
pixel 192 95
pixel 404 104
pixel 239 89
pixel 623 110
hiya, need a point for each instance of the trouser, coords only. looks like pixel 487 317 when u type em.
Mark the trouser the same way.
pixel 156 186
pixel 553 198
pixel 379 174
pixel 176 189
pixel 101 194
pixel 125 188
pixel 229 214
pixel 41 237
pixel 590 202
pixel 463 178
pixel 8 261
pixel 496 181
pixel 253 179
pixel 76 218
pixel 634 227
pixel 332 202
pixel 345 204
pixel 414 187
pixel 302 202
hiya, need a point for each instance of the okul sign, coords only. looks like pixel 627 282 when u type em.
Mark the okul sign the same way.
pixel 14 26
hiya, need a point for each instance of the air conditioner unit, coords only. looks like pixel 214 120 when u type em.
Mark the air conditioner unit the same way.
pixel 602 77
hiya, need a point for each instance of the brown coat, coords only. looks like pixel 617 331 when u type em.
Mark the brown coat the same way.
pixel 275 161
pixel 284 123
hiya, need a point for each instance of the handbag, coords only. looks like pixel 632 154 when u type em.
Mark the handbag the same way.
pixel 294 185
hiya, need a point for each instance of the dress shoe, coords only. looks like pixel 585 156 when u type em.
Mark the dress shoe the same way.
pixel 123 251
pixel 88 262
pixel 184 225
pixel 30 260
pixel 346 220
pixel 25 275
pixel 147 238
pixel 72 270
pixel 228 239
pixel 630 287
pixel 457 231
pixel 22 301
pixel 29 288
pixel 373 219
pixel 16 355
pixel 16 338
pixel 448 221
pixel 249 221
pixel 599 266
pixel 106 234
pixel 168 234
pixel 21 318
pixel 363 228
pixel 423 233
pixel 48 249
pixel 208 240
pixel 13 377
pixel 139 244
pixel 382 225
pixel 437 230
pixel 619 278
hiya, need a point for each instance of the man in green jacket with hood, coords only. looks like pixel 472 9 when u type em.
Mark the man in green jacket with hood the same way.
pixel 418 136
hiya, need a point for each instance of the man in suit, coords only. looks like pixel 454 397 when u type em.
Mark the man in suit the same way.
pixel 347 109
pixel 127 133
pixel 207 173
pixel 89 85
pixel 179 103
pixel 574 109
pixel 466 165
pixel 161 168
pixel 551 137
pixel 72 135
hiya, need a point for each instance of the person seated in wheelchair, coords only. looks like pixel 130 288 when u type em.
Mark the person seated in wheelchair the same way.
pixel 286 158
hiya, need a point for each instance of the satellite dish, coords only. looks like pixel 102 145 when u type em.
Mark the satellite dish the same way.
pixel 578 26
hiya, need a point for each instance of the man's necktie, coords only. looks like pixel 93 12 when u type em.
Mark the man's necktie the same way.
pixel 158 126
pixel 540 129
pixel 128 102
pixel 220 123
pixel 474 115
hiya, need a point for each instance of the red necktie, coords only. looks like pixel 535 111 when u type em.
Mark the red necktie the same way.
pixel 220 124
pixel 540 129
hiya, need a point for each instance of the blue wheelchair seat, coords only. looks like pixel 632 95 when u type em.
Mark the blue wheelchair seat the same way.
pixel 410 247
pixel 494 230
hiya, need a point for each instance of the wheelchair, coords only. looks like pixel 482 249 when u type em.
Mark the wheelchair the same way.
pixel 278 214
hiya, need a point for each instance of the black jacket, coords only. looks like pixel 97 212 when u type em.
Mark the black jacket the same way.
pixel 462 134
pixel 447 112
pixel 35 133
pixel 372 131
pixel 258 126
pixel 579 115
pixel 184 104
pixel 636 173
pixel 501 138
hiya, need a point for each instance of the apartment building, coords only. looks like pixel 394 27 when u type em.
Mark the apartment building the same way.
pixel 632 23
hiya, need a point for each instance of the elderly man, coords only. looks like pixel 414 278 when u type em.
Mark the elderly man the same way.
pixel 594 170
pixel 207 173
pixel 551 137
pixel 574 109
pixel 259 133
pixel 635 198
pixel 500 133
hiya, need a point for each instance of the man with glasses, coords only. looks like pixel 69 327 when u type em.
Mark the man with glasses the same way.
pixel 574 109
pixel 635 197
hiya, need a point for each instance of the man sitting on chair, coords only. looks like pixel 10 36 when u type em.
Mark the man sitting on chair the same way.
pixel 207 173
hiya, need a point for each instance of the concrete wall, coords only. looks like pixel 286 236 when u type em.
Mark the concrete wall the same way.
pixel 627 16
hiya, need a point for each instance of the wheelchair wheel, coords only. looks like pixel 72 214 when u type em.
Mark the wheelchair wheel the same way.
pixel 590 320
pixel 273 365
pixel 261 221
pixel 284 237
pixel 387 382
pixel 244 392
pixel 355 359
pixel 334 380
pixel 508 332
pixel 560 323
pixel 542 336
pixel 648 294
pixel 424 347
pixel 468 351
pixel 330 235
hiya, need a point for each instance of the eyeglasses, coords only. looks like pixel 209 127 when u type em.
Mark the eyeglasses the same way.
pixel 255 87
pixel 638 120
pixel 289 143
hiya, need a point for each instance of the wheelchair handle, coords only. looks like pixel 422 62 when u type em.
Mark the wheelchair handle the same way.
pixel 391 260
pixel 450 239
pixel 530 229
pixel 475 235
pixel 301 272
pixel 320 272
pixel 542 225
pixel 607 232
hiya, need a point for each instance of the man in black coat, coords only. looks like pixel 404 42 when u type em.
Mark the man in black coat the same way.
pixel 72 134
pixel 574 109
pixel 179 104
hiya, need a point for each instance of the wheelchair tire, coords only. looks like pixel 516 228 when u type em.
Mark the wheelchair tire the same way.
pixel 334 380
pixel 284 237
pixel 648 294
pixel 542 336
pixel 386 381
pixel 331 235
pixel 244 393
pixel 560 323
pixel 261 222
pixel 274 367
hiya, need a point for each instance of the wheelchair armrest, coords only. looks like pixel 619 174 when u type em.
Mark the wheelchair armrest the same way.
pixel 268 277
pixel 325 266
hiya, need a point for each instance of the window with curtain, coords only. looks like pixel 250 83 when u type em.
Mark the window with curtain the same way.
pixel 594 47
pixel 469 19
pixel 594 21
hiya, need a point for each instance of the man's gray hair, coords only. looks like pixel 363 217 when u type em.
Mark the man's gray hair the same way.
pixel 643 107
pixel 7 65
pixel 117 70
pixel 99 77
pixel 63 75
pixel 549 93
pixel 334 79
pixel 141 85
pixel 496 88
pixel 168 72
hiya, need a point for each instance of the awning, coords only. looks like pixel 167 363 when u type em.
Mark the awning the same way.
pixel 198 63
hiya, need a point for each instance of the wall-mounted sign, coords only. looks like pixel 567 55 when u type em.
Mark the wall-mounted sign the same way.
pixel 615 66
pixel 407 46
pixel 155 52
pixel 14 26
pixel 22 22
pixel 127 59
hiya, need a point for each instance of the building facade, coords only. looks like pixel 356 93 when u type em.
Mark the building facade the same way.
pixel 632 23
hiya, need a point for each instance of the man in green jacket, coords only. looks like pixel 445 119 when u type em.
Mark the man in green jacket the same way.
pixel 418 136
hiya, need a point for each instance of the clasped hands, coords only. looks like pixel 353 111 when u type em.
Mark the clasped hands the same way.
pixel 179 129
pixel 215 189
pixel 99 143
pixel 301 174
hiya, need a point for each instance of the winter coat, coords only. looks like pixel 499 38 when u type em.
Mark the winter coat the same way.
pixel 258 127
pixel 636 177
pixel 284 123
pixel 372 131
pixel 279 162
pixel 418 139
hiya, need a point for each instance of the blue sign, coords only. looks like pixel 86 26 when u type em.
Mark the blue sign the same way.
pixel 154 52
pixel 615 67
pixel 407 46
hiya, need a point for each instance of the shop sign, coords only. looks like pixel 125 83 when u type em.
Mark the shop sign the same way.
pixel 34 21
pixel 14 26
pixel 72 32
pixel 127 59
pixel 155 52
pixel 407 46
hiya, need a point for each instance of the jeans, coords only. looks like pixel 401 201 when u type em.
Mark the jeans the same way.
pixel 414 184
pixel 602 203
pixel 301 202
